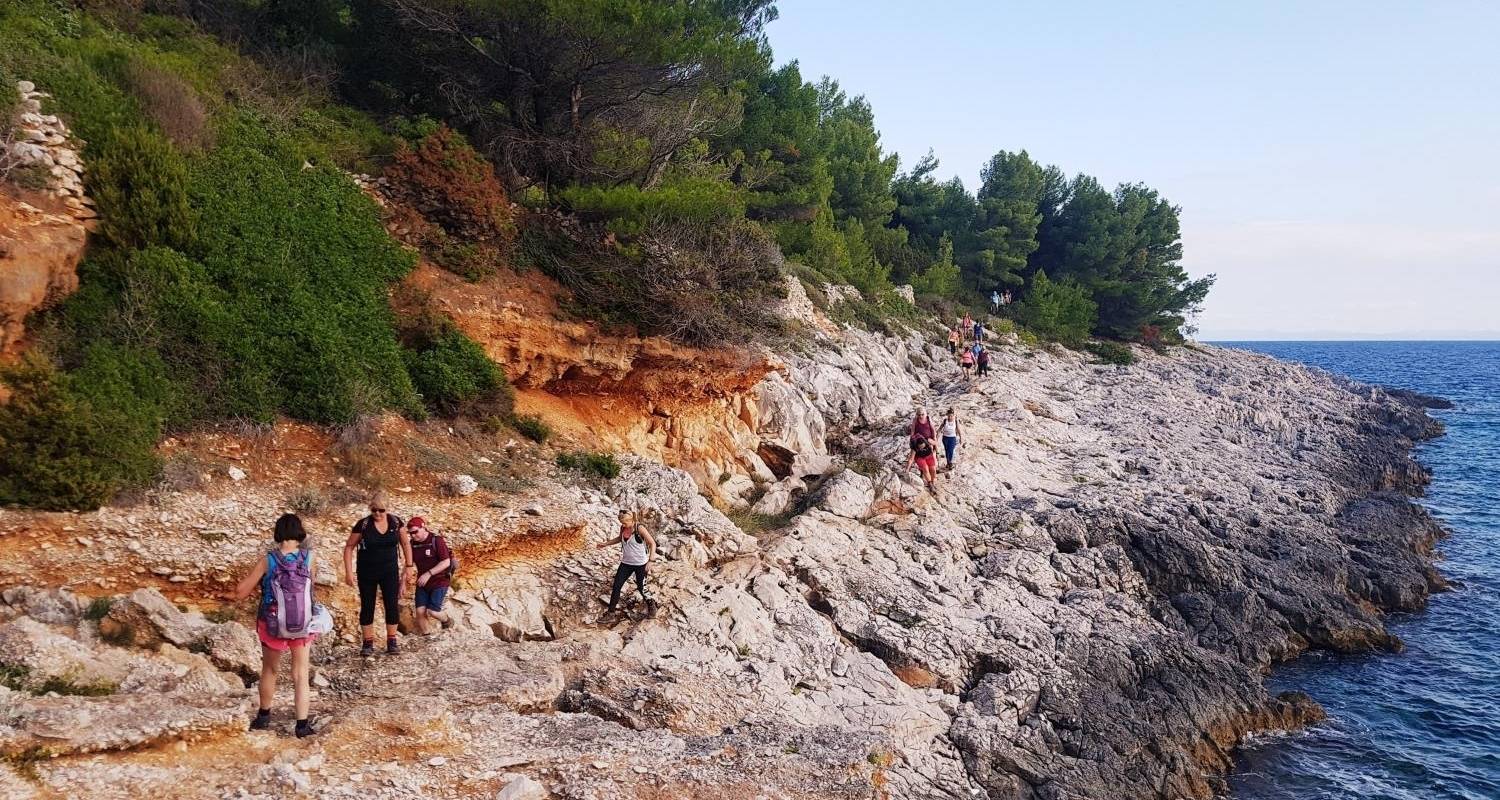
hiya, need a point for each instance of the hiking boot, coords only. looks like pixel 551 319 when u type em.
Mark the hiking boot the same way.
pixel 368 649
pixel 392 647
pixel 261 722
pixel 304 729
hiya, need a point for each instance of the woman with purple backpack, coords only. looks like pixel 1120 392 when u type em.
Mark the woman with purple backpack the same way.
pixel 284 620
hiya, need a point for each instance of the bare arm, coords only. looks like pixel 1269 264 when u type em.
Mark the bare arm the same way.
pixel 616 539
pixel 248 583
pixel 411 564
pixel 350 545
pixel 650 543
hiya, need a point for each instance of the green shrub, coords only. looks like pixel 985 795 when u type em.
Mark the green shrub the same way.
pixel 139 183
pixel 473 262
pixel 602 465
pixel 57 451
pixel 532 427
pixel 303 263
pixel 628 210
pixel 1111 352
pixel 98 607
pixel 308 501
pixel 452 373
pixel 1062 312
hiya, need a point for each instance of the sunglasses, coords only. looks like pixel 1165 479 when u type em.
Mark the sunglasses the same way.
pixel 377 511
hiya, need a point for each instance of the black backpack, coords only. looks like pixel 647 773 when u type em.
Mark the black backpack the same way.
pixel 452 557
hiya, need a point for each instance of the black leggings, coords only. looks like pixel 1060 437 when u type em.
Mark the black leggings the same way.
pixel 389 584
pixel 621 576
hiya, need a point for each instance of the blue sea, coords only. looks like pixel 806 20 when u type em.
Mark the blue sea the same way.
pixel 1424 724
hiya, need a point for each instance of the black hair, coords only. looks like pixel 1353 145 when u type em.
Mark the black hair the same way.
pixel 289 528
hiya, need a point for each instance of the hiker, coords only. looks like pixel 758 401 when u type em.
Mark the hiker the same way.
pixel 924 455
pixel 637 548
pixel 968 323
pixel 952 435
pixel 978 331
pixel 284 619
pixel 982 361
pixel 434 563
pixel 995 302
pixel 1006 299
pixel 966 363
pixel 384 546
pixel 954 339
pixel 921 426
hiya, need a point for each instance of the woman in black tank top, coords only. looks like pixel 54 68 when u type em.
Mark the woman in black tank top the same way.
pixel 382 547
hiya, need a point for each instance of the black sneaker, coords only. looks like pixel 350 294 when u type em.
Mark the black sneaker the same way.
pixel 369 648
pixel 261 722
pixel 391 647
pixel 304 729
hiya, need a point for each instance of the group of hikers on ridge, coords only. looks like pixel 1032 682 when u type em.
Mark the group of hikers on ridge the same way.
pixel 922 443
pixel 973 359
pixel 383 556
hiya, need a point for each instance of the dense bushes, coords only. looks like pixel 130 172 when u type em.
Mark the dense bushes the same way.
pixel 453 374
pixel 58 450
pixel 140 185
pixel 1063 312
pixel 1111 352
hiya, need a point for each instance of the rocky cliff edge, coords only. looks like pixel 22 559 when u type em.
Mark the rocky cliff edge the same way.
pixel 1085 609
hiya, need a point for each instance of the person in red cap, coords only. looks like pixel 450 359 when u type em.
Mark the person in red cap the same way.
pixel 434 564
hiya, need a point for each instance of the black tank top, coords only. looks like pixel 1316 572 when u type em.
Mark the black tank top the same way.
pixel 378 552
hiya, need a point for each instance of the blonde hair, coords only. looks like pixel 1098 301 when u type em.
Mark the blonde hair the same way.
pixel 380 499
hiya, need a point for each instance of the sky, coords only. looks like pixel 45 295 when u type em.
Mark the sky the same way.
pixel 1337 163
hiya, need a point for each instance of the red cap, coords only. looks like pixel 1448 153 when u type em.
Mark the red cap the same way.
pixel 416 522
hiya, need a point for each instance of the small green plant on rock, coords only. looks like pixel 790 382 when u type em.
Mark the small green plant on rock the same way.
pixel 98 607
pixel 14 676
pixel 71 685
pixel 532 427
pixel 308 500
pixel 601 465
pixel 1111 352
pixel 24 762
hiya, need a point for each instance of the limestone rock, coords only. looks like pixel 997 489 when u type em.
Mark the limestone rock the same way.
pixel 848 494
pixel 145 618
pixel 522 787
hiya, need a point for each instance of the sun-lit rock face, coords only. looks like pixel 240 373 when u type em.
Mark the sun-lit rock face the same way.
pixel 45 214
pixel 39 255
pixel 1083 608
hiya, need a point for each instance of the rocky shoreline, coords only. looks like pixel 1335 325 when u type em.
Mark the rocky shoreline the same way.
pixel 1086 609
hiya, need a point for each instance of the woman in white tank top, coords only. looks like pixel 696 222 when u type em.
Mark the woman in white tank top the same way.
pixel 952 434
pixel 637 548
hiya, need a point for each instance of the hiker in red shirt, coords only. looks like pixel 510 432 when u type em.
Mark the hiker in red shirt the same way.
pixel 434 562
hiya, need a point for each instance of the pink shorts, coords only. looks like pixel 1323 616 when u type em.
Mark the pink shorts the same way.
pixel 279 645
pixel 929 462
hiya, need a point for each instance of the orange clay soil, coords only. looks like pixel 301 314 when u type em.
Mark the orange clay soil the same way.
pixel 684 406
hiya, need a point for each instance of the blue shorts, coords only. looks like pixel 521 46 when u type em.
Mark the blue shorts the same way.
pixel 431 598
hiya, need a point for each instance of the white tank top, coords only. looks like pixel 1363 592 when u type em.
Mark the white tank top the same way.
pixel 633 551
pixel 950 427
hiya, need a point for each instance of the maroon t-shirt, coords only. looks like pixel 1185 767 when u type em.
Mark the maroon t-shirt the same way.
pixel 923 428
pixel 429 554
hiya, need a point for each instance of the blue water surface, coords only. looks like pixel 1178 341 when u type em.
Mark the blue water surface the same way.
pixel 1424 724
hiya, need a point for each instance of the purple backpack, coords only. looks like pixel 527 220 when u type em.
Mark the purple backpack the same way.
pixel 288 608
